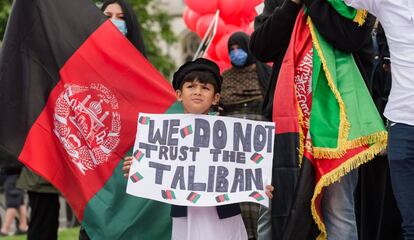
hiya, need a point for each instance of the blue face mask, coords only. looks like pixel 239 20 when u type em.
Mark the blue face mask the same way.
pixel 238 57
pixel 121 25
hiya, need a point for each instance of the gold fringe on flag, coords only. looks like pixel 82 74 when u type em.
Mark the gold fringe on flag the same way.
pixel 360 17
pixel 336 175
pixel 343 144
pixel 344 125
pixel 301 135
pixel 377 142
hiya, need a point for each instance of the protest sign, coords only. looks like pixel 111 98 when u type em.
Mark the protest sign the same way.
pixel 201 160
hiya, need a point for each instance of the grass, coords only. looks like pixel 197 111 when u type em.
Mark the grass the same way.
pixel 64 234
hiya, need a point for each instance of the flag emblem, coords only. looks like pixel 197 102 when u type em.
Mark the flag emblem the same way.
pixel 79 111
pixel 144 120
pixel 257 158
pixel 87 124
pixel 168 194
pixel 193 197
pixel 138 155
pixel 222 198
pixel 136 177
pixel 256 196
pixel 186 131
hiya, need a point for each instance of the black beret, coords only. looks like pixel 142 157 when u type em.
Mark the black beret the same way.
pixel 200 64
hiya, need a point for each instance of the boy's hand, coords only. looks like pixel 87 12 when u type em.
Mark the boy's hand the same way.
pixel 269 191
pixel 126 166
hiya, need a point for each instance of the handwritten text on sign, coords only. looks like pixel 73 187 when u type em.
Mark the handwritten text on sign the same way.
pixel 201 160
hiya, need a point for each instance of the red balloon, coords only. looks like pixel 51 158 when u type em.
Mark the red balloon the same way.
pixel 202 6
pixel 227 66
pixel 222 50
pixel 210 58
pixel 211 52
pixel 190 18
pixel 230 28
pixel 204 22
pixel 221 28
pixel 249 6
pixel 230 8
pixel 235 20
pixel 223 65
pixel 252 16
pixel 249 30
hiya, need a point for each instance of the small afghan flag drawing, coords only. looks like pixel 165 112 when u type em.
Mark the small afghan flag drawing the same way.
pixel 138 155
pixel 256 196
pixel 144 120
pixel 168 194
pixel 257 158
pixel 136 177
pixel 186 131
pixel 193 197
pixel 222 198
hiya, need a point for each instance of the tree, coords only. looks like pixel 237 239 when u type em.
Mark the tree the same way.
pixel 5 6
pixel 155 25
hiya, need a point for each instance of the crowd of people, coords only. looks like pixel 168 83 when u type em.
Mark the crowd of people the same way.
pixel 371 201
pixel 248 90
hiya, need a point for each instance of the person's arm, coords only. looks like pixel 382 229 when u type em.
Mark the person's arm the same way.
pixel 273 29
pixel 362 4
pixel 126 166
pixel 344 34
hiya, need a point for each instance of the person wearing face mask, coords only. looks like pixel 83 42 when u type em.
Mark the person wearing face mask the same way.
pixel 123 17
pixel 242 97
pixel 244 84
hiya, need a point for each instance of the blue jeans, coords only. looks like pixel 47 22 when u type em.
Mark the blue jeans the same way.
pixel 401 158
pixel 338 208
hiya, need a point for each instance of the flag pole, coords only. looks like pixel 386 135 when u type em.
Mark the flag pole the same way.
pixel 208 37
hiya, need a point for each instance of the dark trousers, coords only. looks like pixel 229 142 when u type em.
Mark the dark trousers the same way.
pixel 401 158
pixel 44 216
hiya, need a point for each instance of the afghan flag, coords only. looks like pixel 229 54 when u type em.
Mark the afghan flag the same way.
pixel 185 131
pixel 136 177
pixel 257 196
pixel 72 87
pixel 222 198
pixel 139 155
pixel 323 108
pixel 193 197
pixel 257 158
pixel 168 194
pixel 144 120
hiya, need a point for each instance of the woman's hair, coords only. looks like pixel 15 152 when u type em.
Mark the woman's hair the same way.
pixel 203 77
pixel 134 30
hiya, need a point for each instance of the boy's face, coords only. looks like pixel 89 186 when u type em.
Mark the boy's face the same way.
pixel 197 98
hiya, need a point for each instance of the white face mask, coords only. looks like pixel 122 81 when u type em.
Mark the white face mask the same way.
pixel 121 25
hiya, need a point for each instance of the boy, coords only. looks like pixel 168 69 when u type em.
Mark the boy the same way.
pixel 198 85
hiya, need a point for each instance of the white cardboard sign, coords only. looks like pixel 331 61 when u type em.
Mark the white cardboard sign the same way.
pixel 201 160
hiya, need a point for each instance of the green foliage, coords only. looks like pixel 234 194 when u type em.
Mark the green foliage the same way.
pixel 5 6
pixel 64 234
pixel 155 25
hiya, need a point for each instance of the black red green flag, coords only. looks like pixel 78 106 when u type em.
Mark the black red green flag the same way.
pixel 71 90
pixel 322 102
